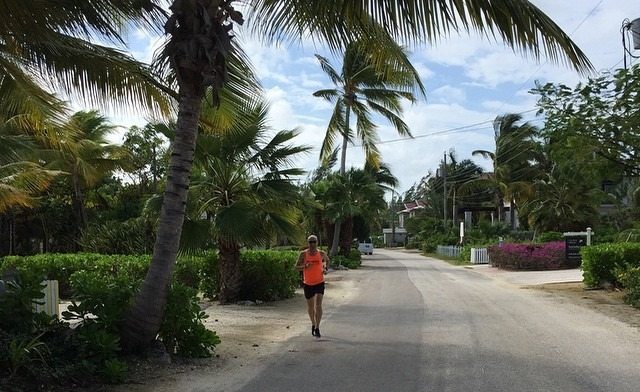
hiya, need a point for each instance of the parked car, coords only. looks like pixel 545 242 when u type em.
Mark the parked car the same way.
pixel 365 248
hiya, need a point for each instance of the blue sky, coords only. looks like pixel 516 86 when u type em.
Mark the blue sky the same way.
pixel 469 81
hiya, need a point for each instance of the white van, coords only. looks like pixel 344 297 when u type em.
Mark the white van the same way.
pixel 365 248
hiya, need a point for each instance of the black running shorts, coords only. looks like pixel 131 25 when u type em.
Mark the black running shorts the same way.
pixel 310 291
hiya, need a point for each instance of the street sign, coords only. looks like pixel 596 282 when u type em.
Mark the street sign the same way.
pixel 573 245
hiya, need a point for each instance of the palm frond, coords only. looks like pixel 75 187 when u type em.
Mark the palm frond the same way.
pixel 400 126
pixel 328 94
pixel 518 23
pixel 326 66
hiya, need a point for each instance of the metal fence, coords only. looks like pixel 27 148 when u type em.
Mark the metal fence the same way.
pixel 450 251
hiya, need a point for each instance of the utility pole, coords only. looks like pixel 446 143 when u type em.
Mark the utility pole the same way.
pixel 444 178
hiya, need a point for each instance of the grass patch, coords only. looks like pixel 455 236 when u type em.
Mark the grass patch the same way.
pixel 450 260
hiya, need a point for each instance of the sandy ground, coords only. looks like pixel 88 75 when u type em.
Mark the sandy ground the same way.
pixel 250 334
pixel 608 302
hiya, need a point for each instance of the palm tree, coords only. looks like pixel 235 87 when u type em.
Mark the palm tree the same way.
pixel 86 155
pixel 563 202
pixel 243 184
pixel 363 87
pixel 198 52
pixel 513 171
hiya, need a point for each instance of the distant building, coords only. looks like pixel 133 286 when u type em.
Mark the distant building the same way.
pixel 397 235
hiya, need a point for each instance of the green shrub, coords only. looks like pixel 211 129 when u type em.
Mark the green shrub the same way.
pixel 600 263
pixel 132 237
pixel 60 267
pixel 465 253
pixel 549 236
pixel 100 298
pixel 630 279
pixel 182 331
pixel 210 276
pixel 114 371
pixel 268 275
pixel 17 313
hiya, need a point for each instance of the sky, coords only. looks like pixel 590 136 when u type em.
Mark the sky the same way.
pixel 469 81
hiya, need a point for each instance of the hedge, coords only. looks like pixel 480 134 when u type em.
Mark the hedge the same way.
pixel 60 267
pixel 603 263
pixel 266 275
pixel 548 256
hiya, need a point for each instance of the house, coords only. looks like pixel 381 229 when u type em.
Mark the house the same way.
pixel 398 234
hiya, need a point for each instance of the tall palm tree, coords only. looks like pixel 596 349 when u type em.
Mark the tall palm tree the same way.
pixel 365 86
pixel 513 169
pixel 243 182
pixel 198 52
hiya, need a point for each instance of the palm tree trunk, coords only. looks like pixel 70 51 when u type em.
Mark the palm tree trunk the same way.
pixel 347 236
pixel 512 214
pixel 343 171
pixel 144 318
pixel 79 211
pixel 230 277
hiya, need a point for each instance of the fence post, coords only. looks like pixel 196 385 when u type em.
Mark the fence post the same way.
pixel 51 299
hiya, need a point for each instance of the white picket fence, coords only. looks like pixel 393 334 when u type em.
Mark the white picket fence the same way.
pixel 51 299
pixel 479 256
pixel 450 251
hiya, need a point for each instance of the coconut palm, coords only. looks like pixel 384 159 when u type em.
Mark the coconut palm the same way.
pixel 365 86
pixel 243 183
pixel 198 51
pixel 513 168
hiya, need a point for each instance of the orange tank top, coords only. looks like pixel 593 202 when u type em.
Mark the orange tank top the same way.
pixel 314 274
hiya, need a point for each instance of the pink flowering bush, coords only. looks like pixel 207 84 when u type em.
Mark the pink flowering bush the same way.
pixel 547 256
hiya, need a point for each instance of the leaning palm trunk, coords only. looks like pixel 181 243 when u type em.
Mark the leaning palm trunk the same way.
pixel 144 318
pixel 200 41
pixel 229 266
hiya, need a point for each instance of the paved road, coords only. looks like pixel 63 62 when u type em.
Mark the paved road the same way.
pixel 419 324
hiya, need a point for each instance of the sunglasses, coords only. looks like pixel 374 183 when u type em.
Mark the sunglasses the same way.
pixel 313 242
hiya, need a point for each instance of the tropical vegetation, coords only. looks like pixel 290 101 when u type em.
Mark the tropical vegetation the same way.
pixel 63 186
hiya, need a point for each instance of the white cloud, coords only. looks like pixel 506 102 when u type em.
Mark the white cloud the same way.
pixel 448 94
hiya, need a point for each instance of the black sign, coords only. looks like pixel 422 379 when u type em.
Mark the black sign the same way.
pixel 573 245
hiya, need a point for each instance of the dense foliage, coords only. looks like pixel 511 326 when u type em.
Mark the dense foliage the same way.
pixel 38 349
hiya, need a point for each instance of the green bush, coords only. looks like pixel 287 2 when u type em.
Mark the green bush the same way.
pixel 60 267
pixel 210 276
pixel 465 253
pixel 601 263
pixel 268 275
pixel 630 279
pixel 131 237
pixel 183 331
pixel 549 236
